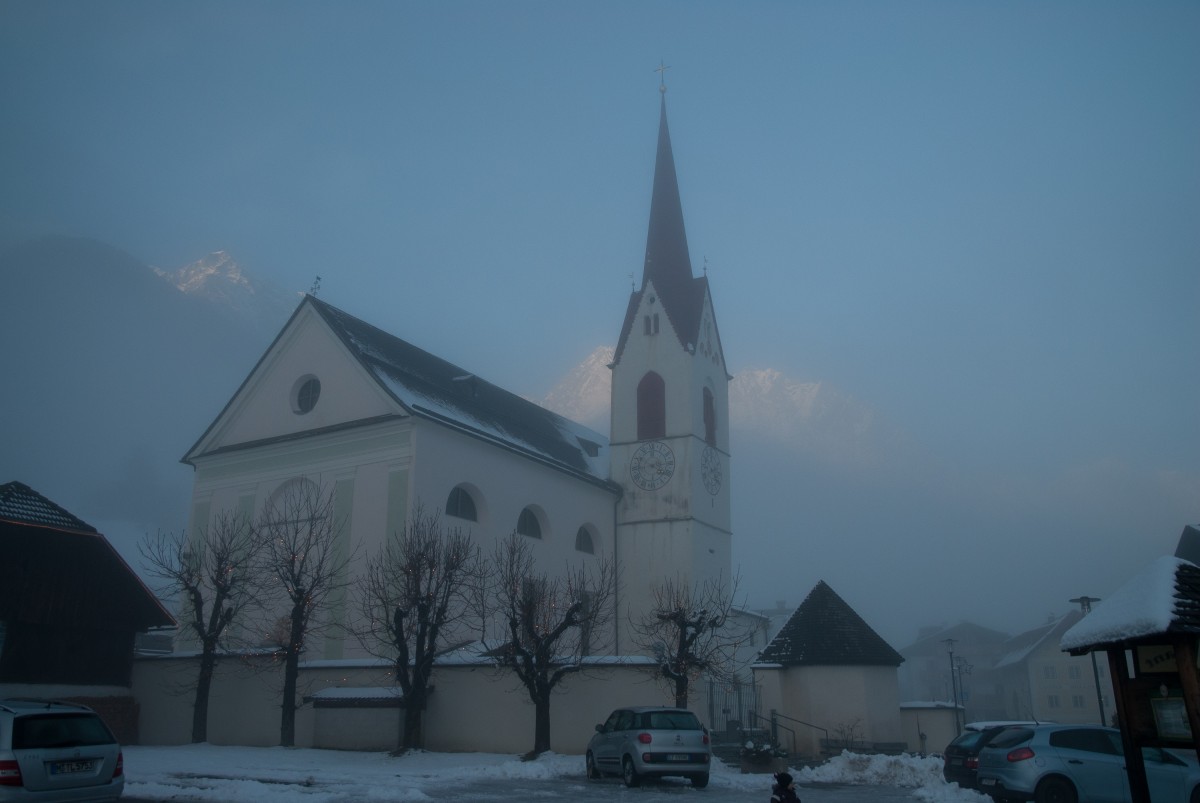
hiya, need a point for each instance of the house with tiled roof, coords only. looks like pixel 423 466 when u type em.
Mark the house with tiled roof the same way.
pixel 831 679
pixel 348 410
pixel 70 609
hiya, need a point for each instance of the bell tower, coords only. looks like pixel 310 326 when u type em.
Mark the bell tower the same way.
pixel 670 414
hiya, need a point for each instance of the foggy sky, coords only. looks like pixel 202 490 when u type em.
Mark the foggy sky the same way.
pixel 978 219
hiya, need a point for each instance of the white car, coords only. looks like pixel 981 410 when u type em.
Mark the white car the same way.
pixel 650 741
pixel 52 752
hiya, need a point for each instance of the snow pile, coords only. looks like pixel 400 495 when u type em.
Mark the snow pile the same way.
pixel 876 770
pixel 275 774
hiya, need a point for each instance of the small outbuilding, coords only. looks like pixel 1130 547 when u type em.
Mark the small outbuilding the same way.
pixel 1150 629
pixel 830 681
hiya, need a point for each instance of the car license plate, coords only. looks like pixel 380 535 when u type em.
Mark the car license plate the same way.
pixel 678 757
pixel 956 762
pixel 66 767
pixel 987 781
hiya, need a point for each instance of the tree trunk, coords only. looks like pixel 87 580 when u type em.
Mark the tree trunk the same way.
pixel 410 727
pixel 208 662
pixel 541 724
pixel 287 722
pixel 681 691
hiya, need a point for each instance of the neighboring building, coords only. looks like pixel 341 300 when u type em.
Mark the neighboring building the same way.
pixel 972 651
pixel 831 680
pixel 70 609
pixel 340 406
pixel 1039 681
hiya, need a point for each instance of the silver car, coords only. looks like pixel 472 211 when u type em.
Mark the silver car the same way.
pixel 650 742
pixel 57 752
pixel 1071 763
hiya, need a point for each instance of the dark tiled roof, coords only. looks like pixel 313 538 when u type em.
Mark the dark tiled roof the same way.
pixel 436 389
pixel 58 570
pixel 20 503
pixel 825 631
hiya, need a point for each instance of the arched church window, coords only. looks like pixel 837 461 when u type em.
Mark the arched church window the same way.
pixel 528 524
pixel 710 418
pixel 651 407
pixel 460 505
pixel 583 541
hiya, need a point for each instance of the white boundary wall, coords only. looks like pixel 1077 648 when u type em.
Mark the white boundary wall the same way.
pixel 473 708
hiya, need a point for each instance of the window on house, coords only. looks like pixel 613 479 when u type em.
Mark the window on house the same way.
pixel 710 418
pixel 651 407
pixel 460 505
pixel 528 524
pixel 1077 700
pixel 1049 672
pixel 1073 673
pixel 583 541
pixel 1052 701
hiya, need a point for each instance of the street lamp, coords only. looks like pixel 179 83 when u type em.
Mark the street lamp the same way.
pixel 953 685
pixel 1085 605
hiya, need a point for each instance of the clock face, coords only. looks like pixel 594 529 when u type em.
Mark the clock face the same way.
pixel 710 470
pixel 652 465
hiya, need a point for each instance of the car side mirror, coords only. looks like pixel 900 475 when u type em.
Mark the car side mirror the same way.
pixel 599 729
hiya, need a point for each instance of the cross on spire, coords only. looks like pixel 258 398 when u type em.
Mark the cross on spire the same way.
pixel 661 69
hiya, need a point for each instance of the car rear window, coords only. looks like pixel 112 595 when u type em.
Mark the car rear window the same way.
pixel 670 721
pixel 1010 737
pixel 967 740
pixel 59 730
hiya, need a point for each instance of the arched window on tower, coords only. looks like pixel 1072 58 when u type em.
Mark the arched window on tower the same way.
pixel 651 407
pixel 710 418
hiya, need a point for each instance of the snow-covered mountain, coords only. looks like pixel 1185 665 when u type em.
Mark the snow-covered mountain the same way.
pixel 765 405
pixel 219 279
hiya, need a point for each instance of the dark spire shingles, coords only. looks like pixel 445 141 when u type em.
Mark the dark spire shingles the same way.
pixel 668 265
pixel 825 631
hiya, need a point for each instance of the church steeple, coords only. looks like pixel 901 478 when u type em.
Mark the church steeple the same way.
pixel 667 264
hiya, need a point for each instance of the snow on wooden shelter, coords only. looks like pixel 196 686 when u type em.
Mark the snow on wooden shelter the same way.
pixel 1150 629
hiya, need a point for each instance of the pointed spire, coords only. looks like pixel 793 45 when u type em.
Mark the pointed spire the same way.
pixel 667 260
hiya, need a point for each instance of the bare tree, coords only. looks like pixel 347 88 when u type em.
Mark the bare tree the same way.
pixel 691 630
pixel 215 575
pixel 305 557
pixel 551 623
pixel 415 592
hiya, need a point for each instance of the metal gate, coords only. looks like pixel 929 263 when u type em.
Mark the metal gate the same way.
pixel 733 710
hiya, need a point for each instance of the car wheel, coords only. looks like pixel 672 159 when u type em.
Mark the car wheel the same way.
pixel 629 774
pixel 1055 790
pixel 593 774
pixel 699 780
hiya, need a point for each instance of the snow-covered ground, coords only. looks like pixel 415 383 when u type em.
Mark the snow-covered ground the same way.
pixel 265 774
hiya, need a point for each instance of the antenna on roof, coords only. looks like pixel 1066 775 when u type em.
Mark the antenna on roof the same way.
pixel 316 285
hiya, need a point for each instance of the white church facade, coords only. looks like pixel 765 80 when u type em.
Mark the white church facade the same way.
pixel 383 426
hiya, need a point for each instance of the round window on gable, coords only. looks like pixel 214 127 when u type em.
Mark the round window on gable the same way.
pixel 305 393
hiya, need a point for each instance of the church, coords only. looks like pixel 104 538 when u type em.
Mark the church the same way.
pixel 340 405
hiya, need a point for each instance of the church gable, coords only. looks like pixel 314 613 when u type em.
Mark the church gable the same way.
pixel 307 381
pixel 365 375
pixel 825 631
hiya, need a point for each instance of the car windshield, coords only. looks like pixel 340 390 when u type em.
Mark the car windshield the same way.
pixel 59 730
pixel 669 721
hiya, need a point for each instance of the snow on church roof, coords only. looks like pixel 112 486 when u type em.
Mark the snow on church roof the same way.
pixel 441 391
pixel 1162 598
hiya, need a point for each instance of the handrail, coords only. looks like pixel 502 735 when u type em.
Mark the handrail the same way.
pixel 775 726
pixel 802 722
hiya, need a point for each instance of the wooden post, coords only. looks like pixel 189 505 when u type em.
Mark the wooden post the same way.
pixel 1189 682
pixel 1135 765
